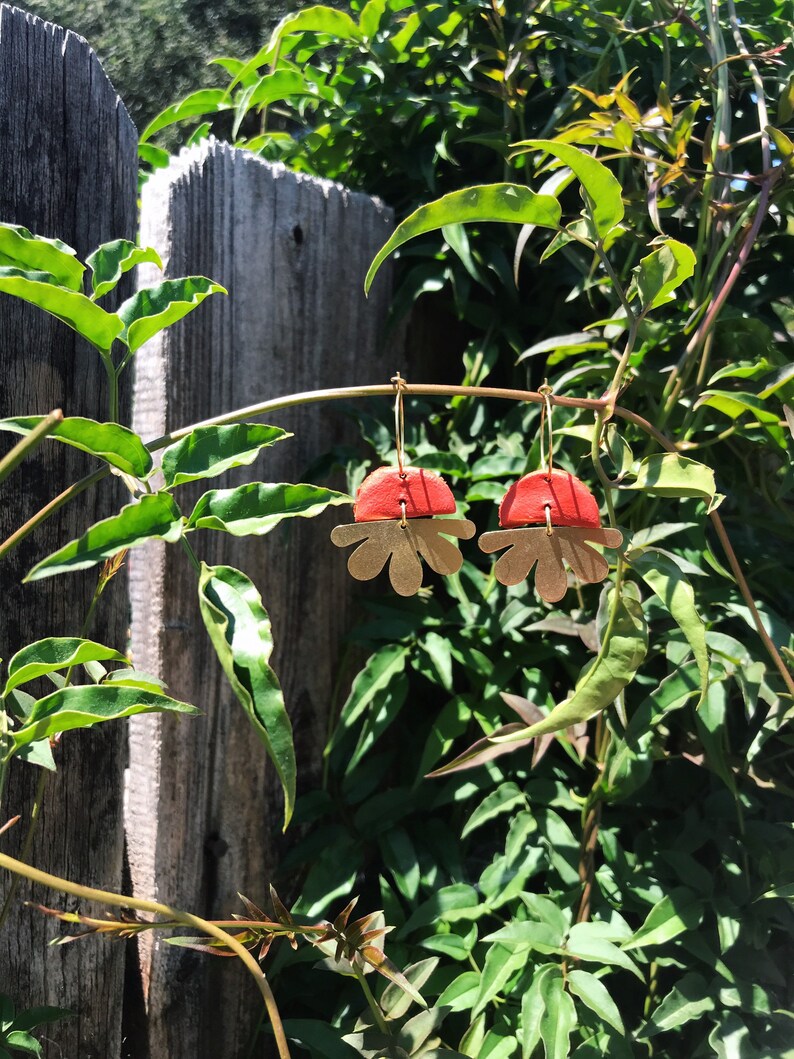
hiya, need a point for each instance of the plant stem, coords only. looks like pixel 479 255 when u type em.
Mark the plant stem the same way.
pixel 29 443
pixel 105 897
pixel 49 509
pixel 373 1004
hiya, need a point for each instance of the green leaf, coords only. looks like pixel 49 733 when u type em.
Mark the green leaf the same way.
pixel 154 517
pixel 601 188
pixel 450 903
pixel 54 653
pixel 257 508
pixel 152 309
pixel 532 1009
pixel 541 937
pixel 662 272
pixel 319 1038
pixel 209 451
pixel 506 797
pixel 317 19
pixel 486 202
pixel 672 587
pixel 620 656
pixel 111 442
pixel 686 1002
pixel 380 671
pixel 21 249
pixel 593 992
pixel 31 1018
pixel 678 911
pixel 668 474
pixel 20 1041
pixel 501 963
pixel 558 1019
pixel 82 707
pixel 156 157
pixel 587 942
pixel 110 261
pixel 239 628
pixel 736 403
pixel 273 86
pixel 205 101
pixel 97 326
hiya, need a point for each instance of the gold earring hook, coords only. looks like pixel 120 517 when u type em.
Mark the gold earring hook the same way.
pixel 399 421
pixel 546 429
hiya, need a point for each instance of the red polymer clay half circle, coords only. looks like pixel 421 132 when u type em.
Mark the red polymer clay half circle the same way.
pixel 381 494
pixel 570 501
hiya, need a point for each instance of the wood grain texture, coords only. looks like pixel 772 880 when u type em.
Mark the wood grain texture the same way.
pixel 67 169
pixel 204 806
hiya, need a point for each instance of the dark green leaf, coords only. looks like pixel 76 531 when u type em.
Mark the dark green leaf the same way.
pixel 209 451
pixel 686 1002
pixel 154 517
pixel 110 261
pixel 23 250
pixel 54 653
pixel 117 445
pixel 31 1018
pixel 257 508
pixel 239 628
pixel 97 326
pixel 152 309
pixel 90 704
pixel 488 202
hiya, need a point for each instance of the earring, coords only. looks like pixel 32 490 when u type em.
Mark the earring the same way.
pixel 549 516
pixel 394 511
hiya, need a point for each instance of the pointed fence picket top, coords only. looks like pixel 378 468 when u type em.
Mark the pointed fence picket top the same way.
pixel 204 809
pixel 68 170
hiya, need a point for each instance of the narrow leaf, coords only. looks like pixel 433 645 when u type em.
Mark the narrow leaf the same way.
pixel 82 707
pixel 110 261
pixel 257 508
pixel 239 628
pixel 677 912
pixel 487 202
pixel 672 587
pixel 602 189
pixel 209 451
pixel 111 442
pixel 154 517
pixel 97 326
pixel 205 101
pixel 21 249
pixel 54 653
pixel 594 993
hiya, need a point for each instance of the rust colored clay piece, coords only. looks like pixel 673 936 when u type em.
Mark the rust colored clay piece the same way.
pixel 394 524
pixel 382 494
pixel 550 518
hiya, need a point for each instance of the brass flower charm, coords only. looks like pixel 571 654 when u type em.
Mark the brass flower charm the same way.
pixel 569 519
pixel 392 525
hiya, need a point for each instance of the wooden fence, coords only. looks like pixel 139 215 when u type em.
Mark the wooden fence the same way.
pixel 202 814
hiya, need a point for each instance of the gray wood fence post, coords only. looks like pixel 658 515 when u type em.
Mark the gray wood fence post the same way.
pixel 204 811
pixel 67 169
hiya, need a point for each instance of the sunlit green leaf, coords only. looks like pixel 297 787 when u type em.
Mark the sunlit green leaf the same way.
pixel 110 261
pixel 487 202
pixel 21 249
pixel 115 444
pixel 209 451
pixel 668 474
pixel 54 653
pixel 82 707
pixel 672 587
pixel 687 1001
pixel 257 508
pixel 154 517
pixel 602 189
pixel 558 1020
pixel 97 326
pixel 661 273
pixel 678 911
pixel 205 101
pixel 595 994
pixel 152 309
pixel 239 628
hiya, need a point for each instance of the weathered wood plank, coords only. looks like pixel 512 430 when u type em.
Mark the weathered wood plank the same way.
pixel 67 169
pixel 204 807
